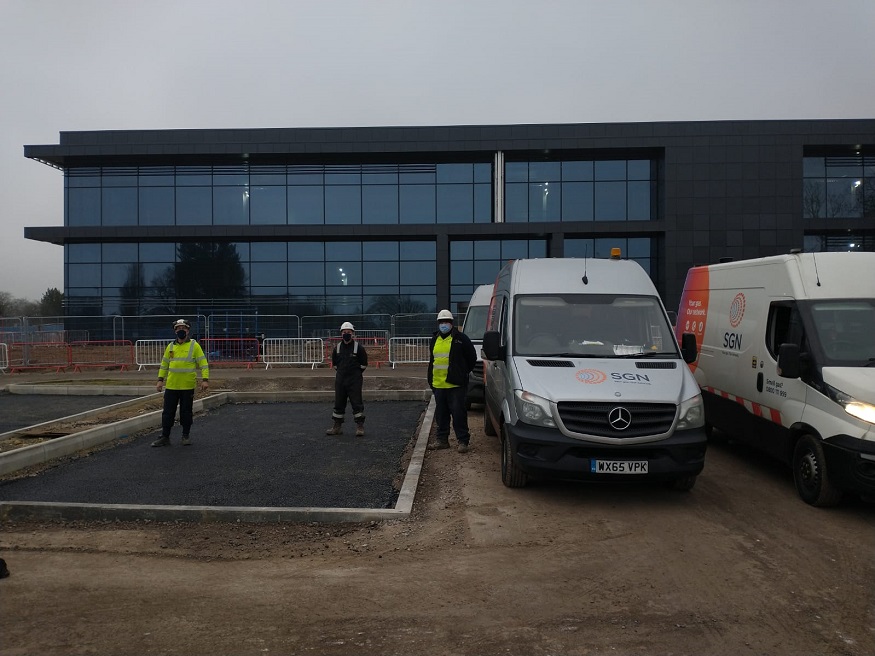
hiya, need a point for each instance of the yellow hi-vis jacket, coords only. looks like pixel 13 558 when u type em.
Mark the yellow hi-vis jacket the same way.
pixel 180 364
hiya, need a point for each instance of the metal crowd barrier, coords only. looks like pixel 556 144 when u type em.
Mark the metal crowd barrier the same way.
pixel 291 351
pixel 4 357
pixel 230 350
pixel 409 350
pixel 149 352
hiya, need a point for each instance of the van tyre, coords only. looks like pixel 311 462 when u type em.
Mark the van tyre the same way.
pixel 511 475
pixel 810 474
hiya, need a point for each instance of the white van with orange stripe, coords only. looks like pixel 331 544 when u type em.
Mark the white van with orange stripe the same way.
pixel 787 362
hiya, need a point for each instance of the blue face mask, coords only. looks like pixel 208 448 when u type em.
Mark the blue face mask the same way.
pixel 445 327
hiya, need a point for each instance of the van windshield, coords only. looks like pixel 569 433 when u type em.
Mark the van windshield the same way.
pixel 590 325
pixel 475 322
pixel 845 330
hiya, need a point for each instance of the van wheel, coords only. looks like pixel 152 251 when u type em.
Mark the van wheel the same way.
pixel 488 428
pixel 810 475
pixel 511 475
pixel 682 484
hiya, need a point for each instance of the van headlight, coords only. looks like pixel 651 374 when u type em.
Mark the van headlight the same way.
pixel 533 409
pixel 692 414
pixel 855 408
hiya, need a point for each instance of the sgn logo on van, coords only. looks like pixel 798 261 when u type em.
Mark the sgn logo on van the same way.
pixel 732 340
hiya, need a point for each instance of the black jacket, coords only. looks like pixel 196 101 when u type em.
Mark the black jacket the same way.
pixel 349 359
pixel 463 357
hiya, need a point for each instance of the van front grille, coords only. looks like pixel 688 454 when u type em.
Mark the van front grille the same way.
pixel 657 364
pixel 596 418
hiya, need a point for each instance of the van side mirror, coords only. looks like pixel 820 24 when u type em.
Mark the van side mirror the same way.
pixel 492 348
pixel 789 361
pixel 689 351
pixel 672 317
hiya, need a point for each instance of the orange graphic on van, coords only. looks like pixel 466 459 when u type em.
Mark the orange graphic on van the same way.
pixel 693 310
pixel 736 310
pixel 591 376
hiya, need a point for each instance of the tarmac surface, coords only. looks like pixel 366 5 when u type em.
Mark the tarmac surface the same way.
pixel 19 411
pixel 243 455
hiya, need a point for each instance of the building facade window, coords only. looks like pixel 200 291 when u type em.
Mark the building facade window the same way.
pixel 475 263
pixel 838 187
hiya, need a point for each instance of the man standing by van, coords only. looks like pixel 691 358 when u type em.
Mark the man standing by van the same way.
pixel 452 359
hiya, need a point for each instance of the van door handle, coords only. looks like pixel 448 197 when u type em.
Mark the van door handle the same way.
pixel 760 382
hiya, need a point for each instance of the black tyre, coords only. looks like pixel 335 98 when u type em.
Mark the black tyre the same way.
pixel 682 484
pixel 488 428
pixel 511 475
pixel 810 474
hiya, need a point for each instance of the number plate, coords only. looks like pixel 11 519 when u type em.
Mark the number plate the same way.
pixel 618 466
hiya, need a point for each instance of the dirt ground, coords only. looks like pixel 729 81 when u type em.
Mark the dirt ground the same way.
pixel 739 565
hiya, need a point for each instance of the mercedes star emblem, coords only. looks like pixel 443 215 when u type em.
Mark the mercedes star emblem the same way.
pixel 619 418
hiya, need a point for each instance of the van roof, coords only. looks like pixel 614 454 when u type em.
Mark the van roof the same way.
pixel 563 275
pixel 482 295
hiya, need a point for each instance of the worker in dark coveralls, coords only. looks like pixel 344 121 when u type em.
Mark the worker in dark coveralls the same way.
pixel 350 359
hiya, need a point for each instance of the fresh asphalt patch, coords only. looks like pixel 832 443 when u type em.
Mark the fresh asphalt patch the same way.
pixel 247 455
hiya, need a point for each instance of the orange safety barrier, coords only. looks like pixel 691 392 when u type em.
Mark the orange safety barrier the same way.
pixel 101 354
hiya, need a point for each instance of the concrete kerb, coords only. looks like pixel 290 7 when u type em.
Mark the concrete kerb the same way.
pixel 12 461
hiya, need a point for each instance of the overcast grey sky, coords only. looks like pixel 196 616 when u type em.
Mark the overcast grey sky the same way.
pixel 164 64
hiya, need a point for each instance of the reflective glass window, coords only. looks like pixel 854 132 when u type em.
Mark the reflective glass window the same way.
pixel 343 274
pixel 417 203
pixel 537 248
pixel 380 175
pixel 268 251
pixel 461 250
pixel 156 205
pixel 545 171
pixel 305 251
pixel 267 175
pixel 455 173
pixel 194 176
pixel 241 249
pixel 121 176
pixel 262 274
pixel 462 272
pixel 380 204
pixel 267 205
pixel 82 252
pixel 418 250
pixel 153 252
pixel 514 249
pixel 269 291
pixel 577 171
pixel 844 198
pixel 305 175
pixel 638 169
pixel 380 273
pixel 156 176
pixel 545 201
pixel 516 172
pixel 83 207
pixel 231 205
pixel 487 250
pixel 121 275
pixel 483 172
pixel 486 270
pixel 482 203
pixel 82 177
pixel 577 201
pixel 416 174
pixel 638 247
pixel 516 203
pixel 234 175
pixel 343 175
pixel 814 167
pixel 455 203
pixel 638 208
pixel 120 206
pixel 342 251
pixel 306 274
pixel 194 205
pixel 306 205
pixel 119 252
pixel 83 275
pixel 418 273
pixel 610 201
pixel 380 250
pixel 610 169
pixel 156 274
pixel 343 205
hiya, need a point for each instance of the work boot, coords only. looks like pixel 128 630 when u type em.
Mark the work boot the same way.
pixel 337 429
pixel 439 444
pixel 186 440
pixel 359 430
pixel 463 447
pixel 162 441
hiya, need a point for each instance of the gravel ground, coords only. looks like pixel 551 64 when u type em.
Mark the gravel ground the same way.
pixel 265 454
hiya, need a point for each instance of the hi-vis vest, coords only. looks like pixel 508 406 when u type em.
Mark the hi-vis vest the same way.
pixel 180 364
pixel 441 362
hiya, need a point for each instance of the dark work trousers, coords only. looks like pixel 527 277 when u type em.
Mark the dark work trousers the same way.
pixel 172 398
pixel 450 402
pixel 348 386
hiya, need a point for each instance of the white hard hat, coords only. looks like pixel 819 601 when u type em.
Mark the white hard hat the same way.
pixel 347 326
pixel 445 314
pixel 182 322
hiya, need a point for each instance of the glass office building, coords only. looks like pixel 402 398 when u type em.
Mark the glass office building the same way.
pixel 407 220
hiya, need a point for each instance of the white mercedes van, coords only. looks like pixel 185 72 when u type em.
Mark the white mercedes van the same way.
pixel 787 362
pixel 584 377
pixel 474 326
